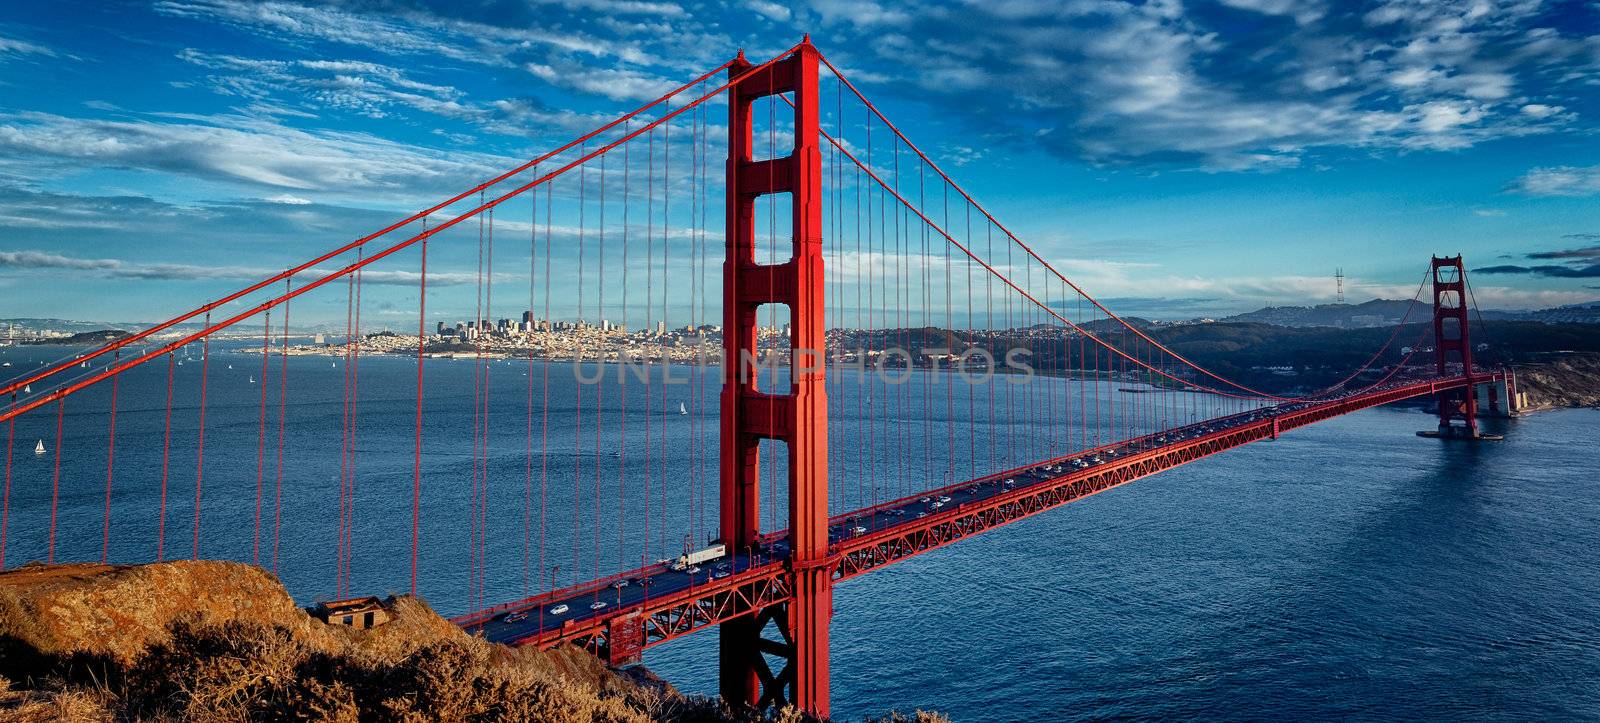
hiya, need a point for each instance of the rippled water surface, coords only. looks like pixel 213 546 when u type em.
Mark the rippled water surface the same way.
pixel 1347 570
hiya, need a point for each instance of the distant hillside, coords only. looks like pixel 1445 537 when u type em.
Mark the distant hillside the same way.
pixel 84 338
pixel 69 325
pixel 1388 312
pixel 1378 312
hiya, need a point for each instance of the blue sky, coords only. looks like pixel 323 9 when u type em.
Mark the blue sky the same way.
pixel 1176 159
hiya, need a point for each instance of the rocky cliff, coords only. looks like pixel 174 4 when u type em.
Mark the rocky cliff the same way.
pixel 1568 380
pixel 223 641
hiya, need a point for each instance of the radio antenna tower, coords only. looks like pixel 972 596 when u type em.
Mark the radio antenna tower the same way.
pixel 1338 282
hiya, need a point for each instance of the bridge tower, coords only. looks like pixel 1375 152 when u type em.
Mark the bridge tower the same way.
pixel 799 419
pixel 1453 345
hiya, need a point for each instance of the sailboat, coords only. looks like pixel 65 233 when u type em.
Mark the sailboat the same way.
pixel 252 379
pixel 682 409
pixel 39 448
pixel 27 389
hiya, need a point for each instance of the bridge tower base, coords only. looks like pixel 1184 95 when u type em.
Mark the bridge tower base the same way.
pixel 1452 344
pixel 799 419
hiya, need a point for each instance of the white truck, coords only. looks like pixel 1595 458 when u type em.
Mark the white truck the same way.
pixel 691 559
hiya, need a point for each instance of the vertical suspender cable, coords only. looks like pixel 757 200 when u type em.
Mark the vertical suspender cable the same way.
pixel 261 436
pixel 623 363
pixel 55 480
pixel 488 365
pixel 355 401
pixel 200 446
pixel 416 453
pixel 166 457
pixel 111 453
pixel 5 499
pixel 283 412
pixel 649 302
pixel 528 332
pixel 605 334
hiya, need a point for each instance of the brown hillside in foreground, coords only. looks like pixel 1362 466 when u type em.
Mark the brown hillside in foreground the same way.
pixel 223 641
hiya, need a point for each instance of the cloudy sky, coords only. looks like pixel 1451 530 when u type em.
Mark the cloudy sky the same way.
pixel 1175 158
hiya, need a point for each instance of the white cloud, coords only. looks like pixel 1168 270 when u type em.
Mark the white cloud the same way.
pixel 13 46
pixel 1559 181
pixel 417 33
pixel 859 13
pixel 1540 110
pixel 770 10
pixel 44 261
pixel 1153 82
pixel 236 150
pixel 613 83
pixel 1302 12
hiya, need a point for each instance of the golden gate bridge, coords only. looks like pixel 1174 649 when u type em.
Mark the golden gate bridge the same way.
pixel 882 282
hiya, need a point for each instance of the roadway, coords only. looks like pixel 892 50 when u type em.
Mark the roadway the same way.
pixel 541 619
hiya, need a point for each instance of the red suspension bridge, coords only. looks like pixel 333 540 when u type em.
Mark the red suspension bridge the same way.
pixel 894 370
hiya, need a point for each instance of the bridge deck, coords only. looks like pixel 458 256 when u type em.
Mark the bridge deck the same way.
pixel 625 613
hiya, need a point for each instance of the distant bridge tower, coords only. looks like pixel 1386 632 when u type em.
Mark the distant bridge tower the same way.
pixel 1338 283
pixel 1453 345
pixel 799 419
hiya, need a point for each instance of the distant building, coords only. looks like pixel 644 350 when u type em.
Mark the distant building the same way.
pixel 360 612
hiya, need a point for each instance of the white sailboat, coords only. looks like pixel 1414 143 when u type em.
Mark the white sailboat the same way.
pixel 682 409
pixel 252 379
pixel 39 448
pixel 27 389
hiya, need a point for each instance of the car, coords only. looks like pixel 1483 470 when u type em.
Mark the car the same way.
pixel 515 616
pixel 693 570
pixel 596 605
pixel 619 584
pixel 858 530
pixel 718 575
pixel 935 505
pixel 559 609
pixel 944 498
pixel 925 500
pixel 922 514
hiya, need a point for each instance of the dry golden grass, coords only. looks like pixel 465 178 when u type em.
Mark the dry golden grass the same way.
pixel 145 643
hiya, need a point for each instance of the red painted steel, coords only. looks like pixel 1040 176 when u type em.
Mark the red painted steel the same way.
pixel 1452 344
pixel 745 594
pixel 789 597
pixel 869 552
pixel 800 418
